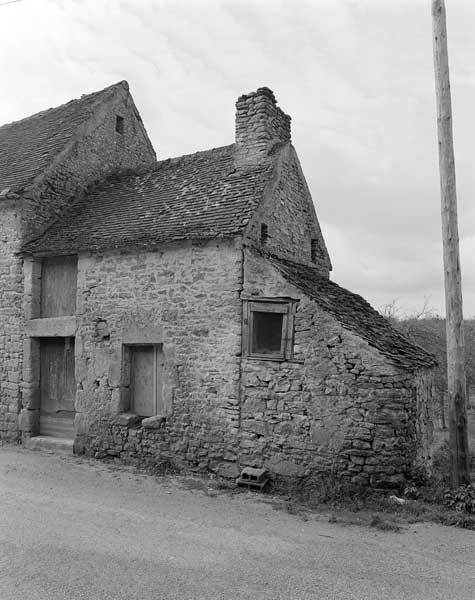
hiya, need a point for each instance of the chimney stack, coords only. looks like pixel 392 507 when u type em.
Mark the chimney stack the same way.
pixel 260 125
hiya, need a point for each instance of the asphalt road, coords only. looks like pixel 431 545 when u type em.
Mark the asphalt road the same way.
pixel 76 529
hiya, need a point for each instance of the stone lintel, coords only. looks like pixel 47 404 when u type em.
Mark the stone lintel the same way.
pixel 52 327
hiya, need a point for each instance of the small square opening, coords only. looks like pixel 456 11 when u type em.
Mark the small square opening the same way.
pixel 268 328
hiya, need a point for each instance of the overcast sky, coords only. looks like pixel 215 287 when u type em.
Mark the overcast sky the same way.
pixel 355 75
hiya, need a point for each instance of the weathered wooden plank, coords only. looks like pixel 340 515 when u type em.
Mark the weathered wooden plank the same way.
pixel 146 380
pixel 58 286
pixel 143 380
pixel 458 438
pixel 57 387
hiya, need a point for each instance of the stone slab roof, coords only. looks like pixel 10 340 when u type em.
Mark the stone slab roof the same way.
pixel 29 146
pixel 199 195
pixel 355 314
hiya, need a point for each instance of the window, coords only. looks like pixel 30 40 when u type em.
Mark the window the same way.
pixel 143 374
pixel 264 234
pixel 268 328
pixel 119 124
pixel 58 286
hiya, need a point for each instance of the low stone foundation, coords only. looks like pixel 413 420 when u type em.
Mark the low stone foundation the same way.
pixel 154 440
pixel 366 440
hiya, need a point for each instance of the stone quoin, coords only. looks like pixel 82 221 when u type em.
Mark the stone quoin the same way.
pixel 182 310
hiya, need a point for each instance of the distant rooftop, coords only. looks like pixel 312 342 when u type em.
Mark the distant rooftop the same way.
pixel 28 146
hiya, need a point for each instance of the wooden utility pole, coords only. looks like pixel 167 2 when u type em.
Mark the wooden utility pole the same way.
pixel 457 391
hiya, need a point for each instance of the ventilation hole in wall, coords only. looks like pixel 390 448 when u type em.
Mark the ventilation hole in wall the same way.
pixel 264 234
pixel 102 329
pixel 315 251
pixel 119 124
pixel 96 383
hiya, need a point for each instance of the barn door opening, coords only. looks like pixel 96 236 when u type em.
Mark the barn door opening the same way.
pixel 57 387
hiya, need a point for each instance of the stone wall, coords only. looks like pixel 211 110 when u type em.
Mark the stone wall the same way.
pixel 98 150
pixel 260 125
pixel 289 214
pixel 339 407
pixel 11 317
pixel 186 298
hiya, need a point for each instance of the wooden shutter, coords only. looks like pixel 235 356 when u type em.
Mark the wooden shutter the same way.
pixel 146 368
pixel 58 286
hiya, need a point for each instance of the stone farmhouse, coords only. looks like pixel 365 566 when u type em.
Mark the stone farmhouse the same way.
pixel 182 310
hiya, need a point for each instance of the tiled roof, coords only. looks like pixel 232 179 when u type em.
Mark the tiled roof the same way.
pixel 195 196
pixel 355 314
pixel 28 147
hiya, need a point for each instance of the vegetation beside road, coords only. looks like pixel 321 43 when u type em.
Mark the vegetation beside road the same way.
pixel 324 497
pixel 422 499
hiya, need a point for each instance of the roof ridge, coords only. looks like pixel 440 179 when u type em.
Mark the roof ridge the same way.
pixel 126 174
pixel 317 272
pixel 120 175
pixel 83 97
pixel 174 160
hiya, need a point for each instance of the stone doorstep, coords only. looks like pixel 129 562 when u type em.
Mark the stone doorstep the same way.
pixel 51 444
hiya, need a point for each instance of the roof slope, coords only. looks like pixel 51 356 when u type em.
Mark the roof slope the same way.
pixel 355 314
pixel 28 147
pixel 198 195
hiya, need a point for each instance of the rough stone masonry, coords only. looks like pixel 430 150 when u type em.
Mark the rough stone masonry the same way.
pixel 213 268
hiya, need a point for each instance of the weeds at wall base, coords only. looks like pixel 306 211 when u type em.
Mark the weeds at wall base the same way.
pixel 428 501
pixel 339 501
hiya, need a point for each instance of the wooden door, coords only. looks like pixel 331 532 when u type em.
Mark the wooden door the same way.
pixel 57 387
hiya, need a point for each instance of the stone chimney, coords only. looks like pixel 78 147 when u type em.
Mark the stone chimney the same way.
pixel 260 125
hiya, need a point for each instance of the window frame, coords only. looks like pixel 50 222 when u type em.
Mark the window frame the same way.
pixel 284 306
pixel 127 377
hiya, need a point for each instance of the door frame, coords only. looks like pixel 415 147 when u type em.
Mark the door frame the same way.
pixel 59 422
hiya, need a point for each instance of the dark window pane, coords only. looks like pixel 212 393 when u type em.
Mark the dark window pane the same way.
pixel 264 234
pixel 119 124
pixel 266 332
